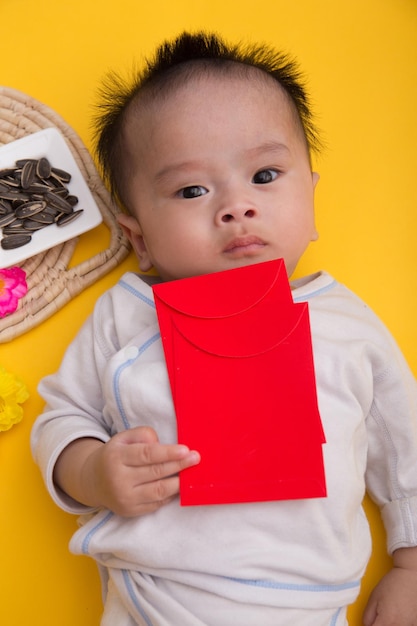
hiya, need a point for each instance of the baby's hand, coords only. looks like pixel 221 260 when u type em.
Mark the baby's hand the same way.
pixel 135 474
pixel 394 600
pixel 132 474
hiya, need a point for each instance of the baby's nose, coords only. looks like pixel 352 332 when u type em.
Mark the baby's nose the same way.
pixel 235 209
pixel 236 214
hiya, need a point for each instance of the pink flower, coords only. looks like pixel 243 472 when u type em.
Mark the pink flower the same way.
pixel 12 287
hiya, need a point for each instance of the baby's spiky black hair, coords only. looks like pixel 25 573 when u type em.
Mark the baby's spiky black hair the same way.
pixel 172 60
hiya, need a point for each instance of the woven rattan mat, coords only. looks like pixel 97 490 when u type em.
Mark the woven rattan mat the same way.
pixel 51 282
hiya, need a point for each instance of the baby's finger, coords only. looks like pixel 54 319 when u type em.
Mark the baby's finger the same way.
pixel 151 454
pixel 145 499
pixel 156 472
pixel 158 492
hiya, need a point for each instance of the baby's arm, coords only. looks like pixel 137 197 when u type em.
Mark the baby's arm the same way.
pixel 394 600
pixel 132 474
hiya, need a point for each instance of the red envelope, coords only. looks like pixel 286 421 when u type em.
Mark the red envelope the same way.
pixel 240 364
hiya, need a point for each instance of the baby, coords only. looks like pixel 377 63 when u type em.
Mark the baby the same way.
pixel 209 153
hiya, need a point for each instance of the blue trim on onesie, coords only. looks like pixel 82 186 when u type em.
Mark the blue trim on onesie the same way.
pixel 335 618
pixel 313 294
pixel 270 584
pixel 133 597
pixel 89 535
pixel 136 293
pixel 119 372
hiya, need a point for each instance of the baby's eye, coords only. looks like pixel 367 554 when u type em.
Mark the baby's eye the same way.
pixel 194 191
pixel 265 176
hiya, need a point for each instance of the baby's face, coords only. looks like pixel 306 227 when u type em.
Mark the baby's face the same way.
pixel 220 178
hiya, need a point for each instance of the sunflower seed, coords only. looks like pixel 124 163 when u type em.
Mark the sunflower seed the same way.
pixel 13 183
pixel 55 182
pixel 50 210
pixel 38 188
pixel 29 209
pixel 64 176
pixel 28 174
pixel 14 241
pixel 22 162
pixel 43 218
pixel 43 168
pixel 15 229
pixel 68 217
pixel 7 219
pixel 31 225
pixel 59 203
pixel 4 208
pixel 12 195
pixel 62 192
pixel 7 172
pixel 72 200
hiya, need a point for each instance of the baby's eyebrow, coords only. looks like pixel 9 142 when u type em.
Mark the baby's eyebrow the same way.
pixel 176 168
pixel 275 148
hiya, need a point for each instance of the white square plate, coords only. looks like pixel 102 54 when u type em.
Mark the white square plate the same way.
pixel 51 144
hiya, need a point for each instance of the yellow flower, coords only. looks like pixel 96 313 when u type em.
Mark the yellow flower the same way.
pixel 13 392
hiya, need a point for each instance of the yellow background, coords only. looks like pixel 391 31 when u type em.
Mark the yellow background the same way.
pixel 361 59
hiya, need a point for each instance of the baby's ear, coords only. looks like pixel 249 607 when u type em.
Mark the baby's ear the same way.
pixel 131 228
pixel 315 177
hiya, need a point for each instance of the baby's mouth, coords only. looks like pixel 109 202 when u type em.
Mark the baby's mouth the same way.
pixel 246 245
